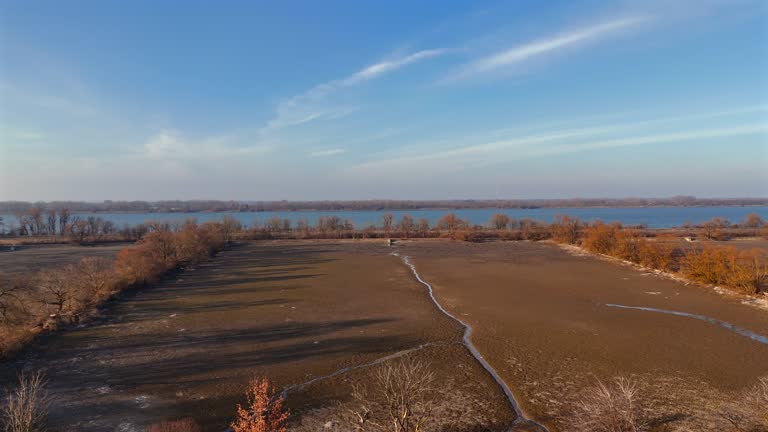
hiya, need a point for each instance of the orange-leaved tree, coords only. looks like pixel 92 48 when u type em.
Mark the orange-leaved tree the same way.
pixel 264 411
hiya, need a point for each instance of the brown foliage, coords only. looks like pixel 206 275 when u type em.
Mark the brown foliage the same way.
pixel 601 238
pixel 264 411
pixel 451 222
pixel 565 229
pixel 183 425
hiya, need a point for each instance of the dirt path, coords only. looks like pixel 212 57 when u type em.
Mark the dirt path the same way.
pixel 306 314
pixel 540 318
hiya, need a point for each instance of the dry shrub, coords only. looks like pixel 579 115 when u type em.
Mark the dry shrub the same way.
pixel 749 411
pixel 612 407
pixel 397 400
pixel 26 406
pixel 706 264
pixel 628 245
pixel 49 297
pixel 264 411
pixel 600 238
pixel 748 270
pixel 533 230
pixel 183 425
pixel 565 229
pixel 658 255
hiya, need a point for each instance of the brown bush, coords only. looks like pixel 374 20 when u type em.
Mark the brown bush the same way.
pixel 183 425
pixel 657 255
pixel 264 411
pixel 600 238
pixel 748 270
pixel 139 264
pixel 565 229
pixel 706 264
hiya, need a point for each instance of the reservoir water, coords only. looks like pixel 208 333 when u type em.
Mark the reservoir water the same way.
pixel 653 217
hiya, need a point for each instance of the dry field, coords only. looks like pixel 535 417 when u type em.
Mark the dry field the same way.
pixel 299 311
pixel 29 258
pixel 292 311
pixel 541 318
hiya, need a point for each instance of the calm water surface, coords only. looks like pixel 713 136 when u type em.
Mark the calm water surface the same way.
pixel 654 217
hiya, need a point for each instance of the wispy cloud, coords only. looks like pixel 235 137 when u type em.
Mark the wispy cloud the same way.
pixel 521 53
pixel 168 144
pixel 557 142
pixel 313 105
pixel 384 67
pixel 328 152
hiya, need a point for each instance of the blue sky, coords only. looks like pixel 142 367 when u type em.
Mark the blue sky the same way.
pixel 362 100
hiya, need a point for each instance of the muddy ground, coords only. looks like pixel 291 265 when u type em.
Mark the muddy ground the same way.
pixel 541 319
pixel 292 311
pixel 30 258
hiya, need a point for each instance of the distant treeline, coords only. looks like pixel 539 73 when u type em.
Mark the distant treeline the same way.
pixel 12 207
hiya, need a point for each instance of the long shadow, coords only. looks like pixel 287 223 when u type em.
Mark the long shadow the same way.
pixel 201 281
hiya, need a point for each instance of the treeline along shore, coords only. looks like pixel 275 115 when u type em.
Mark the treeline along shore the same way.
pixel 13 207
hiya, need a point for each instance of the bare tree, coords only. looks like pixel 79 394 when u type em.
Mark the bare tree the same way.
pixel 96 278
pixel 386 222
pixel 713 226
pixel 407 225
pixel 9 298
pixel 396 401
pixel 423 227
pixel 499 221
pixel 50 218
pixel 36 215
pixel 63 220
pixel 26 406
pixel 55 289
pixel 450 222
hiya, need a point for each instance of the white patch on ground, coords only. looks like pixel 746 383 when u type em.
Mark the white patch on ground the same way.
pixel 103 390
pixel 128 427
pixel 653 292
pixel 142 401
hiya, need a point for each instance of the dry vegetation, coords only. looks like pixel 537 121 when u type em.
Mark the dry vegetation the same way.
pixel 744 271
pixel 64 295
pixel 25 408
pixel 397 399
pixel 611 407
pixel 264 410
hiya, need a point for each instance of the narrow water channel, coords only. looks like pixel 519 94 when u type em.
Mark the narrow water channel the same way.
pixel 475 353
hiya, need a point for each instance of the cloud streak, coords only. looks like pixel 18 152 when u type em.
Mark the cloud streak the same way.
pixel 540 47
pixel 328 152
pixel 312 104
pixel 550 144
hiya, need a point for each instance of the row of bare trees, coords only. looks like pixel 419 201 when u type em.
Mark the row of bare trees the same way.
pixel 30 303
